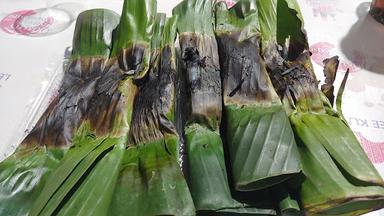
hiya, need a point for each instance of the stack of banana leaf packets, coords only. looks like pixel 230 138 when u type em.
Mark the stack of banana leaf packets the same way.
pixel 212 111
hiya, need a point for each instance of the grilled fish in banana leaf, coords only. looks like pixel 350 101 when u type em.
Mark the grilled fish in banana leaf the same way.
pixel 206 168
pixel 24 174
pixel 262 147
pixel 150 180
pixel 129 61
pixel 102 117
pixel 340 179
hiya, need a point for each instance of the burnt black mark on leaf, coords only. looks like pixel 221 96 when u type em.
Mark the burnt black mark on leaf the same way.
pixel 154 101
pixel 237 88
pixel 131 59
pixel 201 70
pixel 290 78
pixel 89 91
pixel 104 103
pixel 243 70
pixel 65 113
pixel 330 69
pixel 192 56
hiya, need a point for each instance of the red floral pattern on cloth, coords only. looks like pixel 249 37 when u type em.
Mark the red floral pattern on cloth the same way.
pixel 324 50
pixel 15 23
pixel 374 150
pixel 324 8
pixel 7 23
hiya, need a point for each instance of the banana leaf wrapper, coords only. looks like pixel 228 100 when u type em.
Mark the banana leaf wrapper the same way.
pixel 211 191
pixel 117 91
pixel 24 174
pixel 132 41
pixel 260 140
pixel 150 180
pixel 201 72
pixel 334 184
pixel 329 188
pixel 151 183
pixel 206 169
pixel 286 200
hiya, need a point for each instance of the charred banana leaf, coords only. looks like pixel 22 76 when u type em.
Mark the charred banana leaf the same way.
pixel 150 180
pixel 132 44
pixel 207 176
pixel 129 61
pixel 92 27
pixel 24 175
pixel 335 184
pixel 206 167
pixel 261 143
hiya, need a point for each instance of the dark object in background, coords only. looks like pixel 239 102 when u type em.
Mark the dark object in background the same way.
pixel 377 10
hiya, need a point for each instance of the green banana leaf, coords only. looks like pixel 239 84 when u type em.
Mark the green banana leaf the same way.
pixel 85 151
pixel 110 114
pixel 281 20
pixel 331 130
pixel 335 184
pixel 94 195
pixel 286 201
pixel 150 180
pixel 53 194
pixel 102 178
pixel 22 178
pixel 328 190
pixel 56 131
pixel 129 193
pixel 200 68
pixel 208 179
pixel 199 54
pixel 67 165
pixel 262 147
pixel 132 44
pixel 151 183
pixel 97 172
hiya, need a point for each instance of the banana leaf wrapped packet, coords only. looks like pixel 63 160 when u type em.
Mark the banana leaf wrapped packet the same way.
pixel 334 184
pixel 150 181
pixel 261 143
pixel 200 71
pixel 24 174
